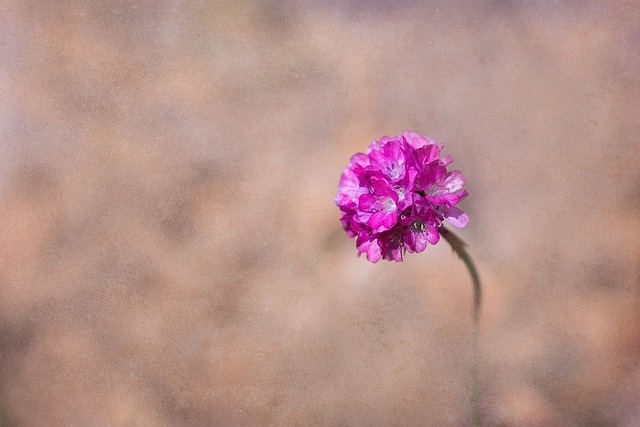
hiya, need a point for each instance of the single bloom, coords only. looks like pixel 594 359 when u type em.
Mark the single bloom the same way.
pixel 395 197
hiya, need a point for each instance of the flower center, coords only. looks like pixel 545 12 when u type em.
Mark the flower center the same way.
pixel 418 226
pixel 386 204
pixel 393 170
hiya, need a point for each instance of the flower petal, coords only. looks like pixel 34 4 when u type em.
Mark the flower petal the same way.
pixel 433 236
pixel 391 243
pixel 373 252
pixel 415 239
pixel 390 160
pixel 453 181
pixel 455 217
pixel 431 174
pixel 416 141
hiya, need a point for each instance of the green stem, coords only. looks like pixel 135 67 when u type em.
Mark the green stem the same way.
pixel 459 247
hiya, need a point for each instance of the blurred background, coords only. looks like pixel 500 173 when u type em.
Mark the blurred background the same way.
pixel 170 253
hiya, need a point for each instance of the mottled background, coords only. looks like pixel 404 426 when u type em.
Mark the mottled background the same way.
pixel 169 249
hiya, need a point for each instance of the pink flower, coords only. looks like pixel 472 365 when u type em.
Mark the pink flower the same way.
pixel 378 209
pixel 395 197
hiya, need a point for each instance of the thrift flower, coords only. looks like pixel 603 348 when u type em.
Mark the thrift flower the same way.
pixel 395 197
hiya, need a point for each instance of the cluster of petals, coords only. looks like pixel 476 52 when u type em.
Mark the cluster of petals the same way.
pixel 395 197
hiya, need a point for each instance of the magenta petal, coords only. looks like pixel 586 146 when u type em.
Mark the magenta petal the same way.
pixel 360 159
pixel 390 161
pixel 455 217
pixel 416 141
pixel 381 221
pixel 378 145
pixel 381 187
pixel 366 202
pixel 462 195
pixel 377 159
pixel 416 240
pixel 431 152
pixel 373 252
pixel 450 199
pixel 378 212
pixel 433 236
pixel 453 181
pixel 368 245
pixel 432 173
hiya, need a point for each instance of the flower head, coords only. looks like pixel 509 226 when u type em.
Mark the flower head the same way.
pixel 395 197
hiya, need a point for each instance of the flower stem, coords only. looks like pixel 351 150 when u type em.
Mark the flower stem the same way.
pixel 459 247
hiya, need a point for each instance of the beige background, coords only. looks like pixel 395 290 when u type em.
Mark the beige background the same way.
pixel 169 249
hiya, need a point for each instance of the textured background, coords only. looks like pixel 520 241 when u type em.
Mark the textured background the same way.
pixel 169 249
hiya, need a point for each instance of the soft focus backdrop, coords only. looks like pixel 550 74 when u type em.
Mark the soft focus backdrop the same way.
pixel 169 249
